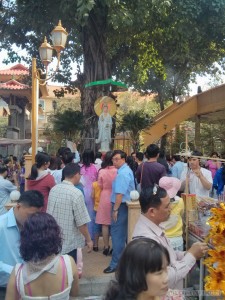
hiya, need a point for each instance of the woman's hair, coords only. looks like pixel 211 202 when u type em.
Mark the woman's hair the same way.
pixel 55 163
pixel 140 257
pixel 107 161
pixel 41 159
pixel 214 153
pixel 40 237
pixel 132 164
pixel 88 157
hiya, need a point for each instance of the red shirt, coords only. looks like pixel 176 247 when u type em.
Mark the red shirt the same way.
pixel 43 185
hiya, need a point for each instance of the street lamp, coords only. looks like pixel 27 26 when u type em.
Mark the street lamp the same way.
pixel 54 105
pixel 59 37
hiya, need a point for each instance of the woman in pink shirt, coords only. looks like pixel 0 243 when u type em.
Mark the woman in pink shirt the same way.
pixel 106 176
pixel 40 178
pixel 213 165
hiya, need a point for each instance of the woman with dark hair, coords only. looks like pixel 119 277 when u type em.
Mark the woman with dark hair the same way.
pixel 88 176
pixel 55 164
pixel 40 178
pixel 213 165
pixel 133 166
pixel 141 273
pixel 45 274
pixel 106 176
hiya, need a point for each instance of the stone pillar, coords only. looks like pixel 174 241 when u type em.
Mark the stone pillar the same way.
pixel 13 131
pixel 21 123
pixel 134 211
pixel 197 133
pixel 28 165
pixel 14 111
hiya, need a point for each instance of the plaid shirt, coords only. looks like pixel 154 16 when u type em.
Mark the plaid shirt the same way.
pixel 66 204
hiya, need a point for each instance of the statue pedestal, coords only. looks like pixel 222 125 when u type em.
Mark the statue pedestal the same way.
pixel 134 211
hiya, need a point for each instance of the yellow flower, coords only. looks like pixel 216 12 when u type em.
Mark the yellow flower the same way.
pixel 215 262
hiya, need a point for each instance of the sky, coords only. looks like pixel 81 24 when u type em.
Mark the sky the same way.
pixel 200 81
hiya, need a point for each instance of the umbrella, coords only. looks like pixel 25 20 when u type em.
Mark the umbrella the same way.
pixel 115 85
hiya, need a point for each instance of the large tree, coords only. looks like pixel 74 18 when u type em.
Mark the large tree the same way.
pixel 132 39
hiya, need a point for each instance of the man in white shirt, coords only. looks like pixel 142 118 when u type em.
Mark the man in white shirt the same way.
pixel 199 179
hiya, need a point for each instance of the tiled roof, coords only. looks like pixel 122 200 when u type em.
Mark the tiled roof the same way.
pixel 18 69
pixel 13 85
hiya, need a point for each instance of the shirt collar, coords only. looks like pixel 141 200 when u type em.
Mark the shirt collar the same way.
pixel 122 167
pixel 152 226
pixel 67 182
pixel 11 218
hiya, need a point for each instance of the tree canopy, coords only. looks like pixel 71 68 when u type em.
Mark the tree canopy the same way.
pixel 153 45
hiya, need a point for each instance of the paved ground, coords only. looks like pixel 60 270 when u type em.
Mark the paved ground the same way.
pixel 94 282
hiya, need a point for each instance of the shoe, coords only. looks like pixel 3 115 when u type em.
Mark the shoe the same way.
pixel 95 249
pixel 110 252
pixel 109 270
pixel 106 251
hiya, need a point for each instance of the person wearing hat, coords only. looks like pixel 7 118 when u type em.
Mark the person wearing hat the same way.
pixel 199 179
pixel 174 225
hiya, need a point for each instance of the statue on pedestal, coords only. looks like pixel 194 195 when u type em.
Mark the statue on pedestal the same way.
pixel 105 122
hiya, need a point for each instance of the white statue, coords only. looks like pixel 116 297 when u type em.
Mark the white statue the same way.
pixel 104 128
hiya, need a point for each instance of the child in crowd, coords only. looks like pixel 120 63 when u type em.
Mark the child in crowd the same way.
pixel 174 225
pixel 96 192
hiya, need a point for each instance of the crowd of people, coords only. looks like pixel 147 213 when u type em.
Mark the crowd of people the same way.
pixel 69 200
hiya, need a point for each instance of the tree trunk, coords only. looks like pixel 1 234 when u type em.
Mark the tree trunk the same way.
pixel 162 107
pixel 96 67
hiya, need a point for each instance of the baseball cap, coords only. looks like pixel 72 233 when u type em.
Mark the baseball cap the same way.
pixel 170 184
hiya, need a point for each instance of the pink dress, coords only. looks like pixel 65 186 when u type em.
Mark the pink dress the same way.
pixel 105 179
pixel 89 175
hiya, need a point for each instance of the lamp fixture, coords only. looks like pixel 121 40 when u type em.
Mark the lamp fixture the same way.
pixel 59 37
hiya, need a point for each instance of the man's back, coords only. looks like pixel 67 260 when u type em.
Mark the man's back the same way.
pixel 66 205
pixel 149 173
pixel 177 169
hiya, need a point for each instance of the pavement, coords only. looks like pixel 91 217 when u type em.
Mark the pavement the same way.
pixel 94 282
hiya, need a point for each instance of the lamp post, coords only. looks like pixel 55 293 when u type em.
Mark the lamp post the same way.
pixel 54 105
pixel 59 37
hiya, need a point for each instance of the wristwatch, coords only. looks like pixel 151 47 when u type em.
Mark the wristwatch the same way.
pixel 115 209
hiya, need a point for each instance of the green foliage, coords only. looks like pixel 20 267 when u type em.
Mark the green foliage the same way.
pixel 3 126
pixel 134 122
pixel 68 122
pixel 151 45
pixel 212 138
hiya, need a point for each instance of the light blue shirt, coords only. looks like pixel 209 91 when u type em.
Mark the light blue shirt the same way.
pixel 123 183
pixel 6 187
pixel 77 157
pixel 177 169
pixel 9 246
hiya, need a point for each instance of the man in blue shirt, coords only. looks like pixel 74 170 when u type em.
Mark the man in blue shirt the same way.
pixel 121 188
pixel 6 187
pixel 178 166
pixel 11 223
